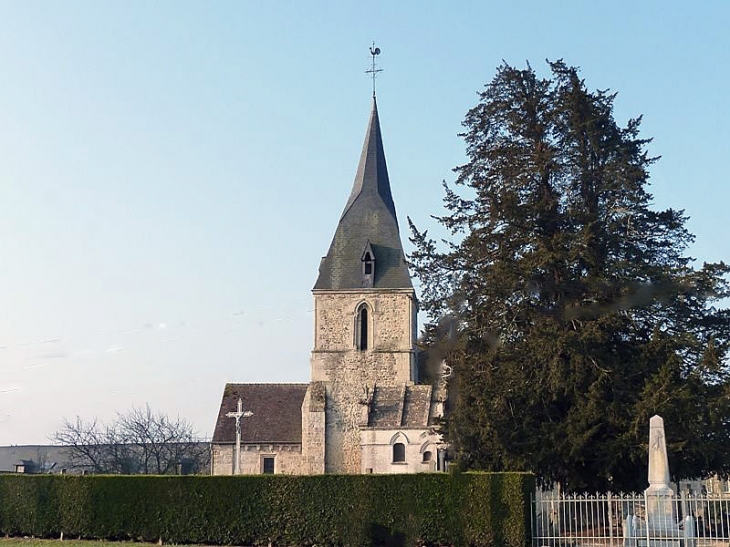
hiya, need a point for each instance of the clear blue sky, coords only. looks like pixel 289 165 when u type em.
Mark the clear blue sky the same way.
pixel 171 172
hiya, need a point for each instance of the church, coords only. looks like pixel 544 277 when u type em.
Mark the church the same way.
pixel 363 410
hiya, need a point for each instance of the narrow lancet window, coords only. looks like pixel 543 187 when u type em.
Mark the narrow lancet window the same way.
pixel 363 334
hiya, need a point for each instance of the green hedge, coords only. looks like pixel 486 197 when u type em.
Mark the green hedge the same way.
pixel 480 509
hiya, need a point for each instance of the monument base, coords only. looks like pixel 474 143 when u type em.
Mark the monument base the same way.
pixel 658 543
pixel 661 533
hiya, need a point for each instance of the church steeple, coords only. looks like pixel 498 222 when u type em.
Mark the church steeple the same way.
pixel 369 216
pixel 372 173
pixel 365 312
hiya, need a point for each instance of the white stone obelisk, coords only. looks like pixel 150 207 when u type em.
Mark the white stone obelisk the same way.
pixel 658 460
pixel 659 495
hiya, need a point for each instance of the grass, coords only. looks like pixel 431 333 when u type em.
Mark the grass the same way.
pixel 33 542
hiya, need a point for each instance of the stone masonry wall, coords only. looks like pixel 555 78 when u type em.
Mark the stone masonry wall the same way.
pixel 347 371
pixel 313 429
pixel 288 459
pixel 377 450
pixel 393 313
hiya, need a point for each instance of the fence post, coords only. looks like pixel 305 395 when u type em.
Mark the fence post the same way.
pixel 646 519
pixel 610 518
pixel 629 527
pixel 690 534
pixel 534 526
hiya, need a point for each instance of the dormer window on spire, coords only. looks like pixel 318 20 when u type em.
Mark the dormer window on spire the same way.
pixel 368 266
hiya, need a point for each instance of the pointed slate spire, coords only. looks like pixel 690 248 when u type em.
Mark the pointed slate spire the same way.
pixel 369 215
pixel 372 173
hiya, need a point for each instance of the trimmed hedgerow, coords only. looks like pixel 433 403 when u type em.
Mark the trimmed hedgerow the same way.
pixel 479 509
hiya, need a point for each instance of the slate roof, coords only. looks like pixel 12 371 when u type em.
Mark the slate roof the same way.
pixel 369 216
pixel 277 413
pixel 48 455
pixel 400 407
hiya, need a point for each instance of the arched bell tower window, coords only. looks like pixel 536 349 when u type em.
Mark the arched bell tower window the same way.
pixel 363 327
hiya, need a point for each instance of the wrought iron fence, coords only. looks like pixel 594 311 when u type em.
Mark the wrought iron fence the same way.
pixel 622 520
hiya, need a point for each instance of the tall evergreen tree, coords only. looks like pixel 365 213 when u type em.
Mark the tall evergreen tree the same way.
pixel 577 311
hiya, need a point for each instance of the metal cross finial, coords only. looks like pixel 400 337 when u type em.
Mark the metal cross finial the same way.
pixel 374 51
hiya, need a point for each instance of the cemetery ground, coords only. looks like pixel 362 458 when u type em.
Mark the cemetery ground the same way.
pixel 34 542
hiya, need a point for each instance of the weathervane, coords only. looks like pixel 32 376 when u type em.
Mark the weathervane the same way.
pixel 374 51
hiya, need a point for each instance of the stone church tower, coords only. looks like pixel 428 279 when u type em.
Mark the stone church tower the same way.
pixel 362 411
pixel 365 310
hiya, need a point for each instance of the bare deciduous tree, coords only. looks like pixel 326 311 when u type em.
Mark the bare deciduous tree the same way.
pixel 138 441
pixel 162 443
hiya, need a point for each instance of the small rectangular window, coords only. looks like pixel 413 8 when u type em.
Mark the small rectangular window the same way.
pixel 268 465
pixel 399 453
